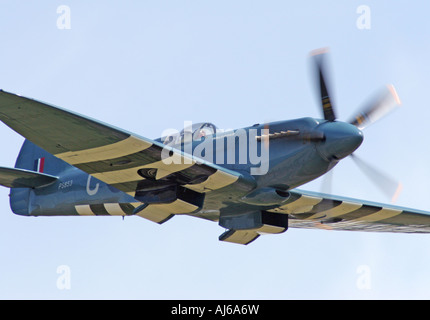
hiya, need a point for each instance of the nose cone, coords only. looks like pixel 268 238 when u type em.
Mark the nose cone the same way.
pixel 341 139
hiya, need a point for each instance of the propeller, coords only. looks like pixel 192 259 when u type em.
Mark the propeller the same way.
pixel 386 184
pixel 326 103
pixel 375 109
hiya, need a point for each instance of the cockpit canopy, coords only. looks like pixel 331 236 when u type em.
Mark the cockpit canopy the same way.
pixel 193 132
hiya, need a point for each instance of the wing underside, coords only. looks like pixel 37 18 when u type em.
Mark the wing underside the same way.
pixel 315 210
pixel 312 210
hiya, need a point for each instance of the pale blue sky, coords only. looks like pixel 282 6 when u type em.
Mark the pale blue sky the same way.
pixel 146 66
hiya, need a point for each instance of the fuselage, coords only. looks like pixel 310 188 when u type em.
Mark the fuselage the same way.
pixel 280 155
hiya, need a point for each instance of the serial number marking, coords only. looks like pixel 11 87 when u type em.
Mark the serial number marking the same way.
pixel 65 184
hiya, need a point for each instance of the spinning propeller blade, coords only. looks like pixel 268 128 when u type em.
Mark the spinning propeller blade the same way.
pixel 382 105
pixel 389 186
pixel 326 100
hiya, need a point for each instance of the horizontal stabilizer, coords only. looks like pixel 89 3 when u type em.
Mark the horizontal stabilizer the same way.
pixel 20 178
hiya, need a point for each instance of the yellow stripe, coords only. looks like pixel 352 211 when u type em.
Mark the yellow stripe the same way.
pixel 84 210
pixel 269 229
pixel 114 209
pixel 215 181
pixel 159 212
pixel 176 207
pixel 119 176
pixel 130 174
pixel 301 205
pixel 380 215
pixel 341 209
pixel 241 236
pixel 174 163
pixel 154 216
pixel 111 151
pixel 164 169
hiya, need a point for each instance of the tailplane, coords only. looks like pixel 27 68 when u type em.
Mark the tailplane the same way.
pixel 21 178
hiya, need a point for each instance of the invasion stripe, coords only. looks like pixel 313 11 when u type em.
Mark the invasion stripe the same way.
pixel 324 205
pixel 84 210
pixel 120 209
pixel 142 157
pixel 124 147
pixel 359 213
pixel 302 205
pixel 164 169
pixel 239 236
pixel 176 207
pixel 105 209
pixel 99 210
pixel 343 208
pixel 130 174
pixel 382 214
pixel 155 216
pixel 116 164
pixel 162 212
pixel 114 209
pixel 359 218
pixel 119 176
pixel 128 208
pixel 215 181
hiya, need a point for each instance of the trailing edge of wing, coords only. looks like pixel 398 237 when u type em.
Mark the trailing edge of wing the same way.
pixel 20 178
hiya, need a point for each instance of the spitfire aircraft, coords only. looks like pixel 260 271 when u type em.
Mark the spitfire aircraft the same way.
pixel 244 179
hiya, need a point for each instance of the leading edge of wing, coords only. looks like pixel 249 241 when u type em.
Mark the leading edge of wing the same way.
pixel 37 121
pixel 309 209
pixel 108 153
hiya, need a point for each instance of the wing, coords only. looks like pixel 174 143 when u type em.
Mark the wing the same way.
pixel 130 163
pixel 315 210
